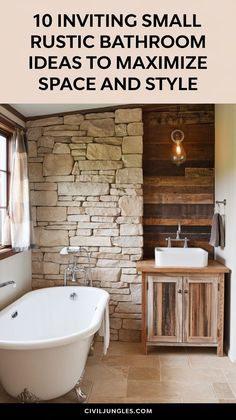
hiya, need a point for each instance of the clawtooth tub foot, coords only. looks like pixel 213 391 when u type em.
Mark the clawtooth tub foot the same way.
pixel 27 397
pixel 81 396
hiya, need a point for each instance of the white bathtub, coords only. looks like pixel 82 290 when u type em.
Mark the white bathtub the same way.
pixel 45 338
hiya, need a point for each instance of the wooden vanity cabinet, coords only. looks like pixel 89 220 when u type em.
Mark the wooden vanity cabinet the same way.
pixel 183 307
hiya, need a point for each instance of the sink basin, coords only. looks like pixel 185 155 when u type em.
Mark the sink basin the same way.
pixel 181 257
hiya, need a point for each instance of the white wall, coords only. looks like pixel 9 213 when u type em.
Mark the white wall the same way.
pixel 225 179
pixel 18 268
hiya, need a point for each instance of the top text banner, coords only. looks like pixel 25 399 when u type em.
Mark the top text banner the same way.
pixel 92 51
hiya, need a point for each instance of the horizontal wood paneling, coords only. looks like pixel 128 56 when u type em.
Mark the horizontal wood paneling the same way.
pixel 178 211
pixel 171 198
pixel 181 181
pixel 175 194
pixel 193 150
pixel 155 221
pixel 167 168
pixel 196 132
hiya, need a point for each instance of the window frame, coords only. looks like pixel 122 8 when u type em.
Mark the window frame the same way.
pixel 7 170
pixel 7 130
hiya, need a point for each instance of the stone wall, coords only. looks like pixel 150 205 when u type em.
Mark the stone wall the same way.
pixel 86 189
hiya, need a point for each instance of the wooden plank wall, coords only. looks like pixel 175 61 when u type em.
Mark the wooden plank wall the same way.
pixel 172 193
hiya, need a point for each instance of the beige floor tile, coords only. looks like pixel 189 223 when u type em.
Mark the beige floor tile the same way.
pixel 230 375
pixel 109 388
pixel 144 373
pixel 106 400
pixel 98 349
pixel 209 361
pixel 153 390
pixel 102 371
pixel 191 376
pixel 154 400
pixel 136 360
pixel 201 351
pixel 168 350
pixel 119 348
pixel 223 390
pixel 198 393
pixel 129 360
pixel 170 360
pixel 202 401
pixel 232 366
pixel 133 400
pixel 233 388
pixel 227 401
pixel 93 360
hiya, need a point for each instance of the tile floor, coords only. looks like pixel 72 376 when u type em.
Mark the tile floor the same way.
pixel 165 375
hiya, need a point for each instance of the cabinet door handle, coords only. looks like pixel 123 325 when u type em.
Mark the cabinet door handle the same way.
pixel 179 291
pixel 185 291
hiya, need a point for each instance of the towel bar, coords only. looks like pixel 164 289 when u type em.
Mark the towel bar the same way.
pixel 221 202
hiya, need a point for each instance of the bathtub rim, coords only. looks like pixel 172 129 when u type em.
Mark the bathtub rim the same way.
pixel 94 326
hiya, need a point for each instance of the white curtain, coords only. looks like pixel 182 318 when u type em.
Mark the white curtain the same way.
pixel 18 228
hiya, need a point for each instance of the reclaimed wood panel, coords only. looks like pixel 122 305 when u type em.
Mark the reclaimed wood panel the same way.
pixel 179 211
pixel 180 181
pixel 152 189
pixel 163 151
pixel 175 194
pixel 200 309
pixel 164 308
pixel 220 324
pixel 175 197
pixel 195 133
pixel 167 168
pixel 154 221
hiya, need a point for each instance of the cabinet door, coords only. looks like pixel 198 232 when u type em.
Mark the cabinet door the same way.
pixel 164 308
pixel 200 309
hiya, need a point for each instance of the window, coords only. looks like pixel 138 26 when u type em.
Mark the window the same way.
pixel 4 176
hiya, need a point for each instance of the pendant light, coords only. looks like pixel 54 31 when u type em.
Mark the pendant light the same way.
pixel 178 154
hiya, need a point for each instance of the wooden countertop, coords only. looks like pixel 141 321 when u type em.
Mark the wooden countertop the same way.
pixel 148 266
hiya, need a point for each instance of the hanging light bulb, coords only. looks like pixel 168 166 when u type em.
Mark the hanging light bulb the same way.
pixel 178 154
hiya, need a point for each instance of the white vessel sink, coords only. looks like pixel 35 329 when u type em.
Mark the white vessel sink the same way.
pixel 181 257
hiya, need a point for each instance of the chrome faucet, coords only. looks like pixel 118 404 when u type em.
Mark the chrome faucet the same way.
pixel 6 283
pixel 73 269
pixel 186 242
pixel 168 242
pixel 177 238
pixel 178 232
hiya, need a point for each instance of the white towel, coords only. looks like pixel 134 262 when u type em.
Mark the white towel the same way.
pixel 104 330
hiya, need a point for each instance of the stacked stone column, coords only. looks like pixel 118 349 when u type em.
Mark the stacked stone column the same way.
pixel 86 189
